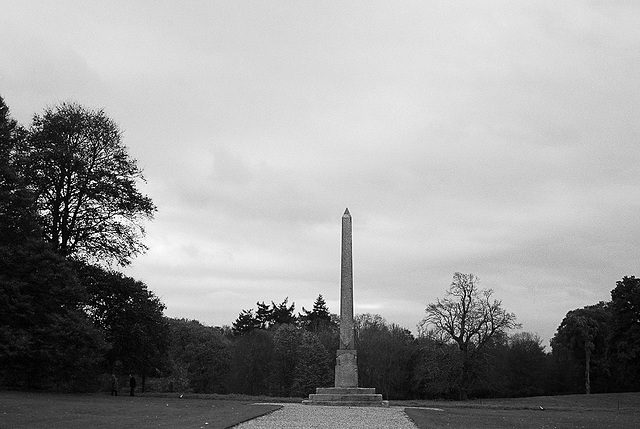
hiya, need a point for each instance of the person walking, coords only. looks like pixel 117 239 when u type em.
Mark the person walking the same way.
pixel 114 385
pixel 132 384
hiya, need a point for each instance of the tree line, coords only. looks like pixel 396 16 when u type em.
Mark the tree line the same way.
pixel 71 210
pixel 463 349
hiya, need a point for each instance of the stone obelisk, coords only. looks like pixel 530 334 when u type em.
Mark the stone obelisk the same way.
pixel 346 361
pixel 346 391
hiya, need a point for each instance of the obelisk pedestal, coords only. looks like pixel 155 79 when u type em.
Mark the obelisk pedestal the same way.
pixel 346 390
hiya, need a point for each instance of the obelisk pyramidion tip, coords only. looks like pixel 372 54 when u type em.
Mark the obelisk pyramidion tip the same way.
pixel 346 213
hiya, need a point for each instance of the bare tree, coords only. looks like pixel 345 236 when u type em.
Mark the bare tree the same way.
pixel 469 318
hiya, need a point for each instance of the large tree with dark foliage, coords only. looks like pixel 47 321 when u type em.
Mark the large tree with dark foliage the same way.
pixel 312 368
pixel 131 317
pixel 265 317
pixel 386 355
pixel 284 359
pixel 17 204
pixel 199 352
pixel 245 323
pixel 277 314
pixel 527 365
pixel 583 332
pixel 68 192
pixel 250 363
pixel 46 340
pixel 318 318
pixel 435 373
pixel 88 201
pixel 325 327
pixel 625 333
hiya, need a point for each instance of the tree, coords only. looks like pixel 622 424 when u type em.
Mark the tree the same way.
pixel 46 339
pixel 202 351
pixel 8 125
pixel 468 317
pixel 281 314
pixel 386 356
pixel 625 335
pixel 250 363
pixel 435 374
pixel 312 369
pixel 265 317
pixel 325 327
pixel 584 333
pixel 88 202
pixel 131 317
pixel 245 323
pixel 318 318
pixel 284 359
pixel 527 365
pixel 17 205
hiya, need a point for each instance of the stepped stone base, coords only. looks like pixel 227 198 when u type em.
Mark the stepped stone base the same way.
pixel 346 396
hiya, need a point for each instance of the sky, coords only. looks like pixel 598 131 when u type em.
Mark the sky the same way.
pixel 495 138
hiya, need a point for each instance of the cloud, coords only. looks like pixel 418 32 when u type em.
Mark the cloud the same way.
pixel 491 138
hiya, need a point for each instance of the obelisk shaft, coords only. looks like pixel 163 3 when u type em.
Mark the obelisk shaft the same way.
pixel 346 359
pixel 346 286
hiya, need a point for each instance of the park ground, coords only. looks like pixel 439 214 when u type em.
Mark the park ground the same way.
pixel 598 411
pixel 57 411
pixel 48 410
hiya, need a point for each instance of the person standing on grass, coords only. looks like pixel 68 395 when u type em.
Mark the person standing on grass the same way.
pixel 114 385
pixel 132 384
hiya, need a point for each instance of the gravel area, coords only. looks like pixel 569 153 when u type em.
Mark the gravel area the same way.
pixel 298 416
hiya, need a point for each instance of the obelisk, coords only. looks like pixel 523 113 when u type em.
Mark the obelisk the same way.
pixel 346 391
pixel 346 360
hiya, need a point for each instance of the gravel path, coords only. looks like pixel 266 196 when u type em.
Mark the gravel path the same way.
pixel 298 416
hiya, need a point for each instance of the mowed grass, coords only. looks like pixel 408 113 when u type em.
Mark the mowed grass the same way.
pixel 571 411
pixel 49 410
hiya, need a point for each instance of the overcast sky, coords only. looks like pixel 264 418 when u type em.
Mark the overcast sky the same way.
pixel 494 138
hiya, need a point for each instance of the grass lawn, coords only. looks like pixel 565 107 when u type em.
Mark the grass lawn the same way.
pixel 572 411
pixel 50 410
